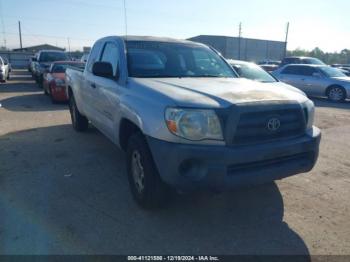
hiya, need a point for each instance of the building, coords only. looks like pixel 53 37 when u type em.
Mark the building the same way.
pixel 244 48
pixel 34 49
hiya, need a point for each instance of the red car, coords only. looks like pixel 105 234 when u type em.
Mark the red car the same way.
pixel 54 80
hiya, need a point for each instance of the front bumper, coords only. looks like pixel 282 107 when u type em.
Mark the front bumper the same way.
pixel 190 167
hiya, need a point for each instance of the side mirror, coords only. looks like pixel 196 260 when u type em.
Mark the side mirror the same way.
pixel 318 75
pixel 34 59
pixel 103 69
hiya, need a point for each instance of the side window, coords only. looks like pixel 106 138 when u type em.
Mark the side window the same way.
pixel 291 70
pixel 94 55
pixel 307 71
pixel 111 55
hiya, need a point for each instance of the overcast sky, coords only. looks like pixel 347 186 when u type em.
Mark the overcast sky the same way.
pixel 321 23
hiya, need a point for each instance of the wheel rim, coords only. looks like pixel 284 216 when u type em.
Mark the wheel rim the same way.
pixel 137 171
pixel 336 94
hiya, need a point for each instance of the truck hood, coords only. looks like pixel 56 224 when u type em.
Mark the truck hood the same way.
pixel 218 92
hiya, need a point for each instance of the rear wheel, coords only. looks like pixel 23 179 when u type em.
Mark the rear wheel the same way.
pixel 336 94
pixel 146 186
pixel 80 123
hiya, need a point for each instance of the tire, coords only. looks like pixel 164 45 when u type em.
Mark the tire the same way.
pixel 45 91
pixel 8 76
pixel 336 94
pixel 149 191
pixel 40 82
pixel 80 123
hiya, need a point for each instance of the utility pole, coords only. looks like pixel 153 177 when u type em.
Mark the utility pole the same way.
pixel 286 41
pixel 239 40
pixel 68 45
pixel 20 34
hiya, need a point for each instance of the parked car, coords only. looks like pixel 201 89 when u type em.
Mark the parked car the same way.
pixel 54 83
pixel 5 69
pixel 30 61
pixel 269 65
pixel 43 61
pixel 344 68
pixel 301 60
pixel 316 80
pixel 84 58
pixel 254 72
pixel 251 71
pixel 186 121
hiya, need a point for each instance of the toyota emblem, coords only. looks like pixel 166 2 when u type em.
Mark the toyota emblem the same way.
pixel 273 124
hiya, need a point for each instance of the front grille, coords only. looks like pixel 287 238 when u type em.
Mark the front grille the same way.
pixel 252 127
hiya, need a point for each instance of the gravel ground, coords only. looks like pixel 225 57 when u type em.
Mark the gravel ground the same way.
pixel 67 193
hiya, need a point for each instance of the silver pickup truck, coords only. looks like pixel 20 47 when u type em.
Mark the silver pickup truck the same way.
pixel 186 121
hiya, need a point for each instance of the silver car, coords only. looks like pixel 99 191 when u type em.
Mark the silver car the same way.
pixel 316 80
pixel 254 72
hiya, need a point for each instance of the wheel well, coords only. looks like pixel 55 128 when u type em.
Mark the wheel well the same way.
pixel 328 88
pixel 126 129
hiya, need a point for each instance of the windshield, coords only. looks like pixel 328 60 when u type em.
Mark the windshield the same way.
pixel 53 56
pixel 61 68
pixel 332 72
pixel 253 72
pixel 164 59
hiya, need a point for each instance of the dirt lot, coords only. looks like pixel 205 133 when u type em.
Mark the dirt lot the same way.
pixel 67 193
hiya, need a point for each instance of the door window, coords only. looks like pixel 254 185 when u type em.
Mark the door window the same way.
pixel 291 70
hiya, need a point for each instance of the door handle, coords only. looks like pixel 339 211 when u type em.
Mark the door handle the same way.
pixel 93 85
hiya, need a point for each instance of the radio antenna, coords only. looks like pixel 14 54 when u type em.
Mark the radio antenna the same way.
pixel 125 20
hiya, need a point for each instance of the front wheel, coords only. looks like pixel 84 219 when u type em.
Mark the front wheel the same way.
pixel 336 94
pixel 146 186
pixel 80 123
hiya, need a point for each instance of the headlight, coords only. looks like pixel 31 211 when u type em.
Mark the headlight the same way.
pixel 60 82
pixel 194 124
pixel 309 109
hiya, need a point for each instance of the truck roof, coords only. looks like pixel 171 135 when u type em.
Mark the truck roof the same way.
pixel 149 38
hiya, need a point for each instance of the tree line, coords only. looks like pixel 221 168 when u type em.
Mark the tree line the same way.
pixel 343 57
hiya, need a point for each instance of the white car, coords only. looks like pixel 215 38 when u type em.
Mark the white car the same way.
pixel 4 70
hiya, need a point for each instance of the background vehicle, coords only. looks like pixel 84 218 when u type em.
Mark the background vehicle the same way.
pixel 84 58
pixel 344 68
pixel 316 80
pixel 269 66
pixel 254 72
pixel 251 71
pixel 43 60
pixel 5 69
pixel 186 121
pixel 54 83
pixel 301 60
